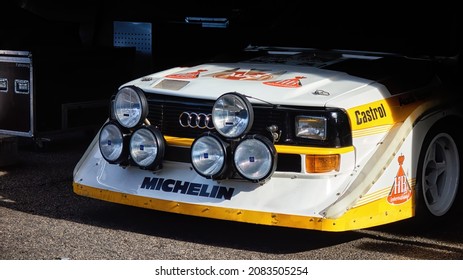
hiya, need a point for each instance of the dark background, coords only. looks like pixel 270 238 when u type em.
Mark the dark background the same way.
pixel 75 60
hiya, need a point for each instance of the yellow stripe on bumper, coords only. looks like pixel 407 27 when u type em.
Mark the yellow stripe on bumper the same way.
pixel 372 214
pixel 284 149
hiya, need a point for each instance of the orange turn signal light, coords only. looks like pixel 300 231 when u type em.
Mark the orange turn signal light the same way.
pixel 322 163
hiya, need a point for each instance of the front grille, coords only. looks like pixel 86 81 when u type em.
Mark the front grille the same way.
pixel 165 113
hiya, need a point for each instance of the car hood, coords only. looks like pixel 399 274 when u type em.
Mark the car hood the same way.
pixel 261 83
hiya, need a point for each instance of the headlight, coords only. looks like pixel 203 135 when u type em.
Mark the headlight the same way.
pixel 112 143
pixel 130 107
pixel 232 115
pixel 209 156
pixel 147 147
pixel 255 158
pixel 311 127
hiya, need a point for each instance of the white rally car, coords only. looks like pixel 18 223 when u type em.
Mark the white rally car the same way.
pixel 301 138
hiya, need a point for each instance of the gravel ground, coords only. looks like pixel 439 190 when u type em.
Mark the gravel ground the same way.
pixel 42 219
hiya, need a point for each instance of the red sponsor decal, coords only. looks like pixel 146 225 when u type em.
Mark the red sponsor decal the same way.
pixel 244 75
pixel 288 83
pixel 401 190
pixel 188 75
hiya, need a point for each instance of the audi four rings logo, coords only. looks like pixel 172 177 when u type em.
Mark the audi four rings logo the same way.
pixel 196 120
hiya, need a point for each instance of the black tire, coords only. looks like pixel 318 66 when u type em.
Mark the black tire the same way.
pixel 439 173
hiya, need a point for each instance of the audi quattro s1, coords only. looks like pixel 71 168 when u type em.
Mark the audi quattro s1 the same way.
pixel 328 121
pixel 300 138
